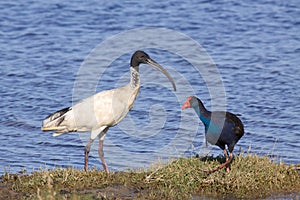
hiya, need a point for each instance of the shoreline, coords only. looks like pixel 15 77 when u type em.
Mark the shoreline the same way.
pixel 250 177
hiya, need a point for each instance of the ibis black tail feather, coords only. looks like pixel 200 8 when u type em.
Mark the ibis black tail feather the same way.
pixel 57 114
pixel 54 122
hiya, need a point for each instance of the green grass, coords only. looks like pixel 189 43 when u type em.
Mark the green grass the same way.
pixel 250 177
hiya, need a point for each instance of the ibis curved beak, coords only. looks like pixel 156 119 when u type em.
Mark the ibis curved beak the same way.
pixel 160 68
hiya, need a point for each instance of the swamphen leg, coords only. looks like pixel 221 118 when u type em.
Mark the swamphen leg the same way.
pixel 228 160
pixel 226 155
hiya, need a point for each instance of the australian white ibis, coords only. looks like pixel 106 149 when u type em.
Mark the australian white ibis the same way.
pixel 102 110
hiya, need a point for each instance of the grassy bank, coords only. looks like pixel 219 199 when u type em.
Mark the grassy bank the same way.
pixel 250 177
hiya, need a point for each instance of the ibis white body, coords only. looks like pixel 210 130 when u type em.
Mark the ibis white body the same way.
pixel 95 113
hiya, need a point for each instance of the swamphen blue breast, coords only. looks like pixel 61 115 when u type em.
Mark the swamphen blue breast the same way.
pixel 221 128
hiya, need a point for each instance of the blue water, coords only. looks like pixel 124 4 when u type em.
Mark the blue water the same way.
pixel 255 45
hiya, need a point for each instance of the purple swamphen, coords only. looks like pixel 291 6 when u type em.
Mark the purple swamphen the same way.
pixel 221 128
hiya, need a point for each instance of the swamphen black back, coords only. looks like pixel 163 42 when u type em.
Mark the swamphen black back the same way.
pixel 221 128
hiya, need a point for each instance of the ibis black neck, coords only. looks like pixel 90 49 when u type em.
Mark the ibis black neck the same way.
pixel 135 77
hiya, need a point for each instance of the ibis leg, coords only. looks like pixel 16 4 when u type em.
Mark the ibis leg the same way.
pixel 86 154
pixel 101 155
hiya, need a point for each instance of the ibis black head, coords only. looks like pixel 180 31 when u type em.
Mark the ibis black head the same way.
pixel 141 57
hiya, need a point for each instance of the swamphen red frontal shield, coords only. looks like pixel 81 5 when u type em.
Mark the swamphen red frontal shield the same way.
pixel 221 128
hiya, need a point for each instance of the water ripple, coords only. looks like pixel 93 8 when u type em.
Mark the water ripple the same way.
pixel 254 44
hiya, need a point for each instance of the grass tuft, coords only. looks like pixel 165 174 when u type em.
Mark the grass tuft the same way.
pixel 250 177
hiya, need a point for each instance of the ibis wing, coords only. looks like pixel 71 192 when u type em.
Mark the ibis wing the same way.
pixel 106 108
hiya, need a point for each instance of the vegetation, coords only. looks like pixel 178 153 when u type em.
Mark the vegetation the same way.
pixel 250 177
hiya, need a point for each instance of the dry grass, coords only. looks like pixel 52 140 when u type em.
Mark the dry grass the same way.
pixel 250 177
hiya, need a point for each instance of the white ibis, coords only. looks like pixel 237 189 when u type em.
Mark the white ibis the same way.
pixel 221 128
pixel 102 110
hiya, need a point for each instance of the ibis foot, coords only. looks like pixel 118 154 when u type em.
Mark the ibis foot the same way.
pixel 105 168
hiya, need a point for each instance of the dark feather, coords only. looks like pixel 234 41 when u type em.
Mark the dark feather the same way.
pixel 58 114
pixel 238 125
